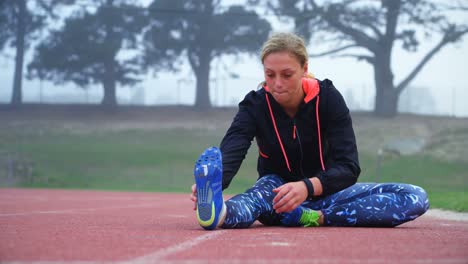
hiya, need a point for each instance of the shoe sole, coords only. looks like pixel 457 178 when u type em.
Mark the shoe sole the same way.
pixel 208 177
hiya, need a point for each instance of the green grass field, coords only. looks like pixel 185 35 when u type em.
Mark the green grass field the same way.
pixel 162 160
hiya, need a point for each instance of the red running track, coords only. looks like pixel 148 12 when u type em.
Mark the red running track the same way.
pixel 55 226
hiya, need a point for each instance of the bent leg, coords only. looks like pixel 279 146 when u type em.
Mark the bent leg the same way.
pixel 371 204
pixel 243 209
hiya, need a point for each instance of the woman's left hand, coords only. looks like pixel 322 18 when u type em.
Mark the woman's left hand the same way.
pixel 289 196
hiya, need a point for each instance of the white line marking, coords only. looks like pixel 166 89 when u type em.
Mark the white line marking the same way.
pixel 176 216
pixel 266 261
pixel 447 215
pixel 280 244
pixel 55 262
pixel 157 256
pixel 68 211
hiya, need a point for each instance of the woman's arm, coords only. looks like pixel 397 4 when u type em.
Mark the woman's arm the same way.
pixel 238 138
pixel 342 166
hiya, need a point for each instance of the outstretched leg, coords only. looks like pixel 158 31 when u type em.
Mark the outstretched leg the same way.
pixel 371 204
pixel 243 209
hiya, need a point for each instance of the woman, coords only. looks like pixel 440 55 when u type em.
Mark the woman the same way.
pixel 308 160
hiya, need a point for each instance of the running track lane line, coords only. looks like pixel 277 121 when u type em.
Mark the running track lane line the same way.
pixel 264 261
pixel 68 211
pixel 156 257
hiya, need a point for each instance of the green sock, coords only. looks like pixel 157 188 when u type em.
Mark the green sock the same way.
pixel 309 218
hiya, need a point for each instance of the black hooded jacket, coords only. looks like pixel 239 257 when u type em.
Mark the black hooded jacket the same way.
pixel 291 147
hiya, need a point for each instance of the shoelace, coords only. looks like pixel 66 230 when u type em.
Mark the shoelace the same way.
pixel 309 218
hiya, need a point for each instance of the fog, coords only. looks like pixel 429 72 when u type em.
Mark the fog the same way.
pixel 441 88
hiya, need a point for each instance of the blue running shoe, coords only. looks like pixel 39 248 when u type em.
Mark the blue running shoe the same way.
pixel 208 174
pixel 301 216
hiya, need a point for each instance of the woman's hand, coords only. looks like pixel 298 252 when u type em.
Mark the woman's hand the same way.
pixel 193 196
pixel 289 196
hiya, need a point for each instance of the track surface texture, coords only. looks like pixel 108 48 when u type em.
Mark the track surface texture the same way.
pixel 56 226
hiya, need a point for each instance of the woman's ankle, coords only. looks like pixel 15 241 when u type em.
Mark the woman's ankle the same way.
pixel 321 218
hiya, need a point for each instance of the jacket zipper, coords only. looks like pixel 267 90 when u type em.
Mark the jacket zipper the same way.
pixel 296 135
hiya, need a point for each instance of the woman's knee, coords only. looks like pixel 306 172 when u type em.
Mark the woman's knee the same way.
pixel 418 198
pixel 270 181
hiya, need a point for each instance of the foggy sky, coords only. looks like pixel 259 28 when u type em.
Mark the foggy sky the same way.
pixel 445 78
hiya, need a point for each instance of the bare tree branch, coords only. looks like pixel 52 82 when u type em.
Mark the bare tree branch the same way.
pixel 332 51
pixel 360 37
pixel 448 38
pixel 359 57
pixel 376 31
pixel 457 6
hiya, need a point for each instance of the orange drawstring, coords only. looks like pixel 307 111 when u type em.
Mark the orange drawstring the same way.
pixel 294 132
pixel 276 130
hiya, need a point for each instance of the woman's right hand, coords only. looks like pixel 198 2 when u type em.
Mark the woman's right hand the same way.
pixel 193 196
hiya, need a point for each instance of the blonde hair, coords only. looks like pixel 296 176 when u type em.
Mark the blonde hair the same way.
pixel 288 42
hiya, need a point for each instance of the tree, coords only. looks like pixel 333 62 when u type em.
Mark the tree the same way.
pixel 201 31
pixel 85 51
pixel 369 30
pixel 17 24
pixel 20 24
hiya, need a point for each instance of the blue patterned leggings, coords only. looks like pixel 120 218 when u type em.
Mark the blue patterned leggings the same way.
pixel 362 204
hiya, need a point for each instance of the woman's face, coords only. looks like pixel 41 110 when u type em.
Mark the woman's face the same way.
pixel 283 76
